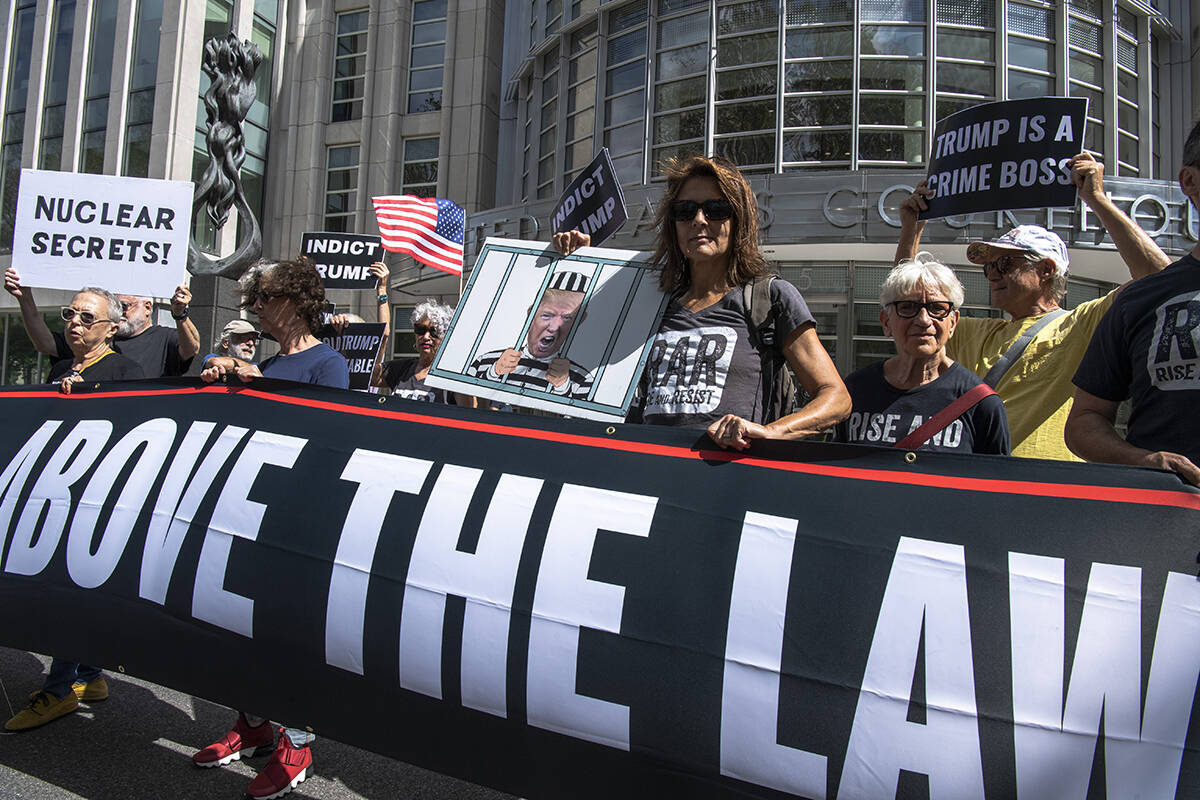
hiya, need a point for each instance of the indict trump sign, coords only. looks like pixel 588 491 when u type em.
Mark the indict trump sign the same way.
pixel 127 235
pixel 594 202
pixel 342 258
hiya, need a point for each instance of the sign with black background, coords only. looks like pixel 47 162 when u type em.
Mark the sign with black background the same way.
pixel 343 258
pixel 359 345
pixel 1005 155
pixel 569 609
pixel 594 202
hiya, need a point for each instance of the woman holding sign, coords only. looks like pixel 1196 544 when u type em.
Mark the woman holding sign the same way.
pixel 731 331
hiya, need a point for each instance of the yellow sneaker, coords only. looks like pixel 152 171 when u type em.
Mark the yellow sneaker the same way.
pixel 42 708
pixel 93 691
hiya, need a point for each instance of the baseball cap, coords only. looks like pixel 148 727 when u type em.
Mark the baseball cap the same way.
pixel 237 326
pixel 1022 239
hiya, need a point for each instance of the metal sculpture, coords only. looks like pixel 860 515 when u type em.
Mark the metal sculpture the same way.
pixel 230 65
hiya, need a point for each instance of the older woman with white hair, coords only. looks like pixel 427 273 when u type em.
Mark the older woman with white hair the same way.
pixel 919 399
pixel 405 377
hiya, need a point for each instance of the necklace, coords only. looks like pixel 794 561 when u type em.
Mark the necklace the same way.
pixel 78 371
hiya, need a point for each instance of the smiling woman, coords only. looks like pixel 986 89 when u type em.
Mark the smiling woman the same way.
pixel 914 400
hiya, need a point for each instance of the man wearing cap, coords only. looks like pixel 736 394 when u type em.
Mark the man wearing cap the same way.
pixel 238 340
pixel 540 364
pixel 1147 348
pixel 1030 358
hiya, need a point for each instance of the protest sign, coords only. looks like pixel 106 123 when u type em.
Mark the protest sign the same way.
pixel 359 345
pixel 563 334
pixel 593 203
pixel 127 235
pixel 343 258
pixel 1006 155
pixel 649 615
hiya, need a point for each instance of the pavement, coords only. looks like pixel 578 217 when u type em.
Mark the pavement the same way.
pixel 138 744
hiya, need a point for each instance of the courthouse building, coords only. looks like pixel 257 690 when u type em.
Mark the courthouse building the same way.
pixel 828 105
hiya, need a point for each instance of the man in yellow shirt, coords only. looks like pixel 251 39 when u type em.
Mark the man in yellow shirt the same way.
pixel 1027 271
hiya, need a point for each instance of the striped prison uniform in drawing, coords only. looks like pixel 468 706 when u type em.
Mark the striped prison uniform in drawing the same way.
pixel 530 373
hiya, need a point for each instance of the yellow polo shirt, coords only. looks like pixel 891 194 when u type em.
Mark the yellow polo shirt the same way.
pixel 1037 390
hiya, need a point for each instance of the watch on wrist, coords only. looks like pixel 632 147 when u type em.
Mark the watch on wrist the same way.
pixel 180 317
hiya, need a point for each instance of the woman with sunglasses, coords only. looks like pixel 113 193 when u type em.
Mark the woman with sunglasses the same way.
pixel 91 322
pixel 405 377
pixel 705 369
pixel 919 399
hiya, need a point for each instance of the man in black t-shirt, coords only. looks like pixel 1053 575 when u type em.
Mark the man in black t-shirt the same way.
pixel 1147 348
pixel 161 352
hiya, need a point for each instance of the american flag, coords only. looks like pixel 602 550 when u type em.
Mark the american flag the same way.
pixel 428 229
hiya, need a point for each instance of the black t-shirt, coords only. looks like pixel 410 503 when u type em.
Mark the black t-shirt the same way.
pixel 702 365
pixel 156 349
pixel 1147 347
pixel 400 375
pixel 113 367
pixel 884 415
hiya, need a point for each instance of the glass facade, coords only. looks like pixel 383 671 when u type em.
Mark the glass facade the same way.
pixel 98 80
pixel 54 101
pixel 341 188
pixel 15 101
pixel 783 85
pixel 139 114
pixel 420 167
pixel 427 54
pixel 349 66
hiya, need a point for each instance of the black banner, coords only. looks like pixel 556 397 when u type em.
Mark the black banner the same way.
pixel 593 203
pixel 343 258
pixel 1006 155
pixel 359 345
pixel 569 609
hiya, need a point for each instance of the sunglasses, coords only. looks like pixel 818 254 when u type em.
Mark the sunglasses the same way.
pixel 936 309
pixel 421 330
pixel 264 297
pixel 715 210
pixel 85 318
pixel 1006 264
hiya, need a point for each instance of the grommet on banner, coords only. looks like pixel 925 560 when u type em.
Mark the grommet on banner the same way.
pixel 382 400
pixel 910 457
pixel 610 430
pixel 121 668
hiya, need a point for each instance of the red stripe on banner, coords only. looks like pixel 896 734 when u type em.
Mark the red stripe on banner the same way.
pixel 1069 491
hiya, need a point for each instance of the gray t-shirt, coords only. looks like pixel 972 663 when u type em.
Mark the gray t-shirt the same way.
pixel 702 365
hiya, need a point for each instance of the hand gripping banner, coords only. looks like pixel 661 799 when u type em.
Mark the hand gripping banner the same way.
pixel 568 609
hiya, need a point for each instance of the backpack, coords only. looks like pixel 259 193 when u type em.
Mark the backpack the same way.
pixel 778 388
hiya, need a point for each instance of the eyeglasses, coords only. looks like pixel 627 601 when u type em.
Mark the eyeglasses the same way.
pixel 421 330
pixel 936 309
pixel 85 318
pixel 1006 264
pixel 715 210
pixel 264 297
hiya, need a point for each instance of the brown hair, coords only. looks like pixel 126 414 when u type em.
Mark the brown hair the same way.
pixel 745 260
pixel 296 280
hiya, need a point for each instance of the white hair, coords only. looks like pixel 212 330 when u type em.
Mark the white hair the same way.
pixel 111 301
pixel 923 271
pixel 438 315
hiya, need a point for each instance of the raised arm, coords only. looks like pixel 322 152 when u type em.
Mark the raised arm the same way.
pixel 189 337
pixel 911 228
pixel 384 315
pixel 1140 253
pixel 35 326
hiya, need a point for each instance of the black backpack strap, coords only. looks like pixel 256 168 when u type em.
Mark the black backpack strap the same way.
pixel 760 320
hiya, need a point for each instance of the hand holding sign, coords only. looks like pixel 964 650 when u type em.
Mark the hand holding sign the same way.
pixel 1087 174
pixel 180 301
pixel 568 242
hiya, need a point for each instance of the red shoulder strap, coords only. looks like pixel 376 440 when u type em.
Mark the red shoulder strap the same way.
pixel 965 402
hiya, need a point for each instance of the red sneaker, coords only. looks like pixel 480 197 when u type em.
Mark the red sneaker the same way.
pixel 287 767
pixel 242 739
